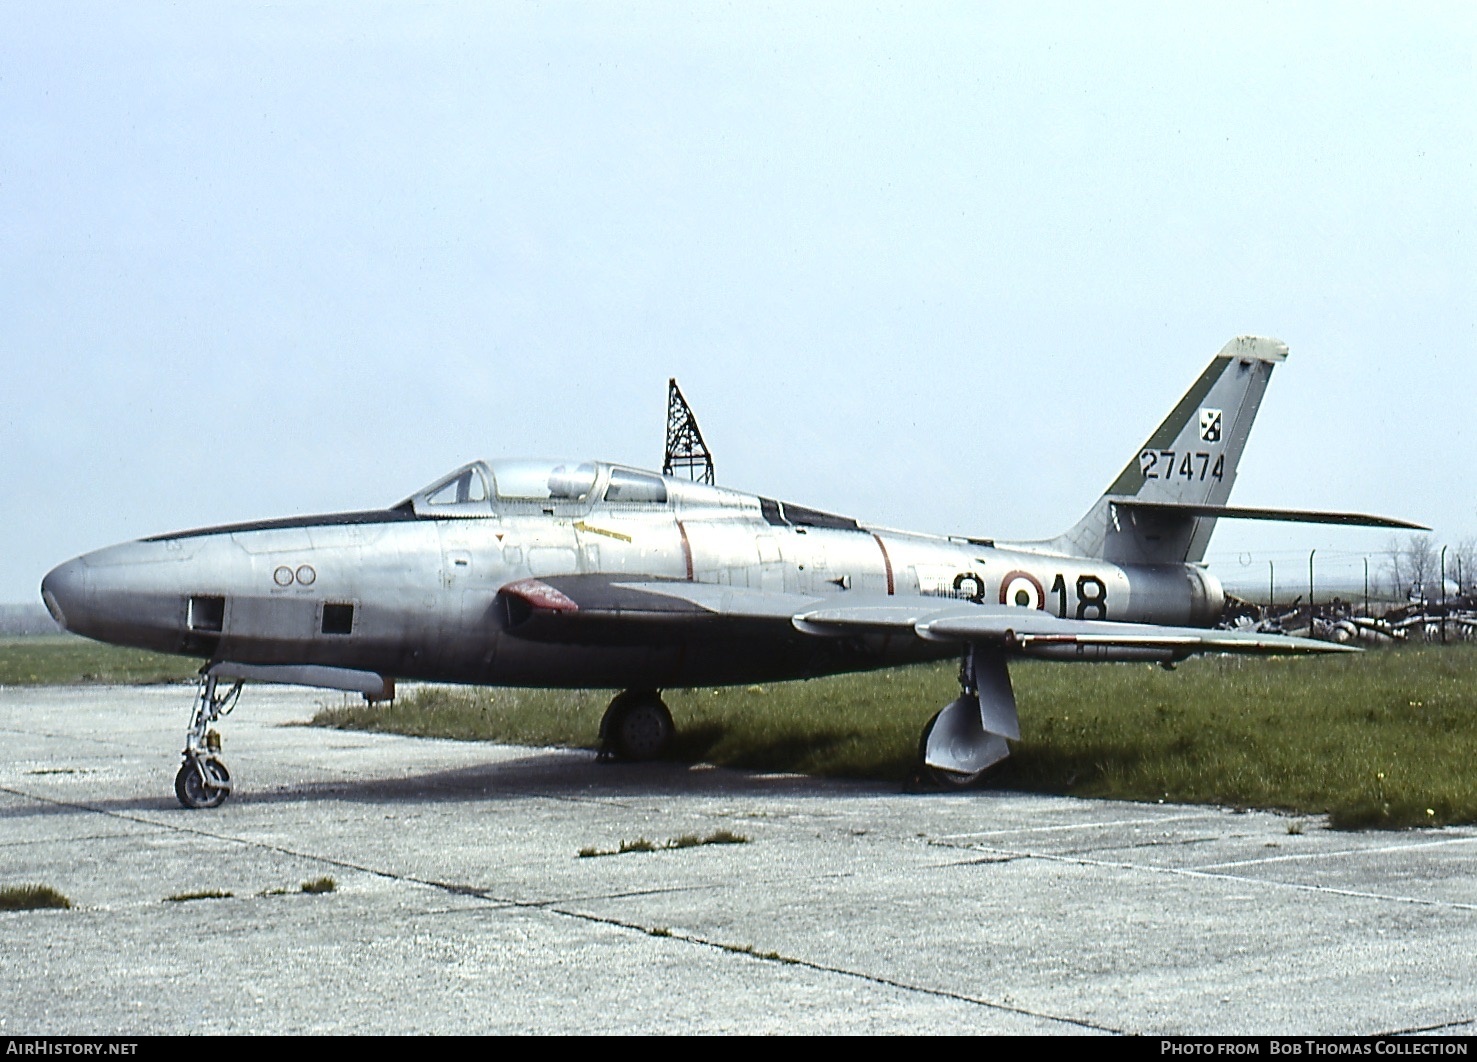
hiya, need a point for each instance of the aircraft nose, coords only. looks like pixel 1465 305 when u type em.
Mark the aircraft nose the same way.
pixel 127 594
pixel 65 590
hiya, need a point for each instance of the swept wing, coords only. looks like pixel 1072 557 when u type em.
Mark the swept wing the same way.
pixel 596 609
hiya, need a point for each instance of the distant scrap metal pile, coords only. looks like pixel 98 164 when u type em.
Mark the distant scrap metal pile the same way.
pixel 1442 621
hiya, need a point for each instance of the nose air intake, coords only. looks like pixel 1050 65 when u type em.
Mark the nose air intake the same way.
pixel 64 590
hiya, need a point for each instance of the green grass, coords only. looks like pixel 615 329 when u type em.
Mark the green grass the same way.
pixel 686 840
pixel 1380 739
pixel 320 885
pixel 1383 738
pixel 65 659
pixel 693 840
pixel 203 894
pixel 31 898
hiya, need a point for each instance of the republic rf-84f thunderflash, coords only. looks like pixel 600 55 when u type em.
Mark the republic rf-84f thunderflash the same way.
pixel 595 575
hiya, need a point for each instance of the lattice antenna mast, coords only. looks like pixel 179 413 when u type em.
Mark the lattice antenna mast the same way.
pixel 685 447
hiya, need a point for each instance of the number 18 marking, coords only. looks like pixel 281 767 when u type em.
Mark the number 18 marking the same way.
pixel 1092 594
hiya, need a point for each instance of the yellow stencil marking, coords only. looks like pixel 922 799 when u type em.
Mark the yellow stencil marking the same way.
pixel 582 526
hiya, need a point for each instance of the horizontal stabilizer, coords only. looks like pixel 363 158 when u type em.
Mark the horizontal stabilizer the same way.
pixel 1236 512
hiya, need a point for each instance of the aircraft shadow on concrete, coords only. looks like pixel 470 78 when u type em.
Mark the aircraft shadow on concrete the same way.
pixel 561 774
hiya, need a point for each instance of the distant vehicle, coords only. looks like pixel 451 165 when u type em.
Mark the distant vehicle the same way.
pixel 568 574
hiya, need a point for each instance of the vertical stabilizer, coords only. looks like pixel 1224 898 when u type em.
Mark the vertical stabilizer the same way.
pixel 1190 459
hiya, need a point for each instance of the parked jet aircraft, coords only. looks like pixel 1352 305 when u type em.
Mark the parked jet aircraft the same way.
pixel 542 573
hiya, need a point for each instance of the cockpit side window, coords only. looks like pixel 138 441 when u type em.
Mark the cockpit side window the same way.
pixel 635 487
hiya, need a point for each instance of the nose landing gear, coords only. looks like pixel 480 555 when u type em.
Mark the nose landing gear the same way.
pixel 203 781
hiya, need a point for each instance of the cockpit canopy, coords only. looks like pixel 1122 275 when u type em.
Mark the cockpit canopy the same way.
pixel 483 489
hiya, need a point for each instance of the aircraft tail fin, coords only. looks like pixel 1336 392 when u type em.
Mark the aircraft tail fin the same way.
pixel 1185 470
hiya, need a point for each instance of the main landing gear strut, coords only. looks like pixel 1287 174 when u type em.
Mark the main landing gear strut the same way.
pixel 636 726
pixel 968 736
pixel 203 781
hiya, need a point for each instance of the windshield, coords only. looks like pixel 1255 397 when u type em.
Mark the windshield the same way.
pixel 464 492
pixel 467 484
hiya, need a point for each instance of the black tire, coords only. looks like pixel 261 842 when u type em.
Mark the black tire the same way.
pixel 193 793
pixel 637 727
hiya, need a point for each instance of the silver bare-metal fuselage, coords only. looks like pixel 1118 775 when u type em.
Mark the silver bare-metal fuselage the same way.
pixel 414 592
pixel 596 575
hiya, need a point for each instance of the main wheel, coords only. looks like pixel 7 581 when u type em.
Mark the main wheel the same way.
pixel 937 775
pixel 194 793
pixel 637 726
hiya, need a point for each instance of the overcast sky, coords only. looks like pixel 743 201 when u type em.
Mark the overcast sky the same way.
pixel 935 266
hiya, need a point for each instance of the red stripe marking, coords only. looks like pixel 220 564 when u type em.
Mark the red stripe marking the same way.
pixel 686 549
pixel 886 561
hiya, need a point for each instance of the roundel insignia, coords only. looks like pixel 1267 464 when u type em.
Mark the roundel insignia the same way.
pixel 1022 590
pixel 969 586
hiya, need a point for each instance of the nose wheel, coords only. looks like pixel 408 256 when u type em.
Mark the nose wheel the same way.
pixel 636 727
pixel 203 781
